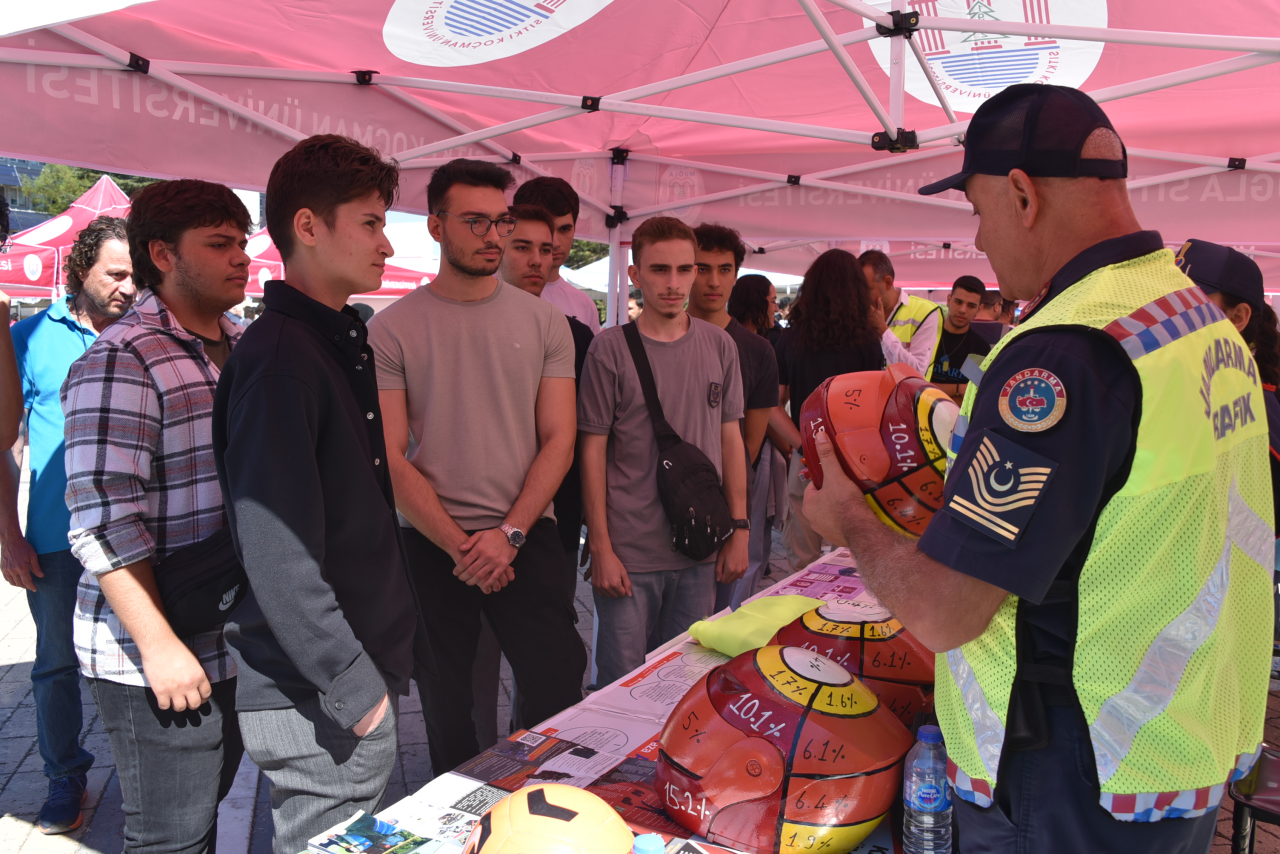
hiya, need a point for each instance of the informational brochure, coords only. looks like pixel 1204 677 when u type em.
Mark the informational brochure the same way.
pixel 530 758
pixel 654 690
pixel 612 732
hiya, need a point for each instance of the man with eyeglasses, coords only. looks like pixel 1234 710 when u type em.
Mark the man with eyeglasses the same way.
pixel 476 383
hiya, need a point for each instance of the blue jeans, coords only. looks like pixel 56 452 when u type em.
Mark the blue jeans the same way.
pixel 55 676
pixel 661 606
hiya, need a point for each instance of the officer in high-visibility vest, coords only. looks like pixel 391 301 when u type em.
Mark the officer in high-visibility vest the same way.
pixel 1097 584
pixel 908 325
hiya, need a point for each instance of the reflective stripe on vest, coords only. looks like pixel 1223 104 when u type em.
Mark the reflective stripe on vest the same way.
pixel 1168 669
pixel 905 322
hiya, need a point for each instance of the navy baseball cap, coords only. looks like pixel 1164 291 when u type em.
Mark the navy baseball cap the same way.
pixel 1037 128
pixel 1221 269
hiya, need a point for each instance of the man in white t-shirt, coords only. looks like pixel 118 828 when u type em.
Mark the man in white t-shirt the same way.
pixel 557 196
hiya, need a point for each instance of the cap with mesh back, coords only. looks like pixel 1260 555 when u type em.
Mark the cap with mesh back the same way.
pixel 1037 128
pixel 1221 269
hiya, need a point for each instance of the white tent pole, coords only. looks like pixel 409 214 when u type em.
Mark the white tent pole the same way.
pixel 897 74
pixel 933 81
pixel 159 72
pixel 1188 75
pixel 1137 87
pixel 48 57
pixel 828 34
pixel 489 133
pixel 871 13
pixel 615 304
pixel 885 162
pixel 1201 159
pixel 1103 34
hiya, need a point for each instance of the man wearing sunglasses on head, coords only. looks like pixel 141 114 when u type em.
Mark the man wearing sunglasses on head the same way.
pixel 476 383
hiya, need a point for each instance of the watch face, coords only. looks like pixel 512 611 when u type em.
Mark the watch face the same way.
pixel 515 538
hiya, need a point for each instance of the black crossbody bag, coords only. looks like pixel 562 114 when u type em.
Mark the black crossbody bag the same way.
pixel 688 485
pixel 201 584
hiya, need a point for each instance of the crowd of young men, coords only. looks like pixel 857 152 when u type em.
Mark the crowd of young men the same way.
pixel 406 499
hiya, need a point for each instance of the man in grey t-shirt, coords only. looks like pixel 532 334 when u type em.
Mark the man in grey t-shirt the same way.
pixel 476 384
pixel 644 589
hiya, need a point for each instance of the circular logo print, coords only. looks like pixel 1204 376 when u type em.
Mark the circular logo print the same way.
pixel 451 33
pixel 1032 401
pixel 971 67
pixel 929 798
pixel 32 266
pixel 754 768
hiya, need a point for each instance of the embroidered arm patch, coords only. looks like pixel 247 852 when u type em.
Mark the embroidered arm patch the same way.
pixel 1000 489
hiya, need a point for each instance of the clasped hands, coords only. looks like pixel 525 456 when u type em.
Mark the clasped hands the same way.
pixel 484 560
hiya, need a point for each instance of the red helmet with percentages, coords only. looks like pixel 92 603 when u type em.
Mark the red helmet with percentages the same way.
pixel 890 430
pixel 781 749
pixel 864 638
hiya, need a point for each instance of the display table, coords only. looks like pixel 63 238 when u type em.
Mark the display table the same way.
pixel 608 743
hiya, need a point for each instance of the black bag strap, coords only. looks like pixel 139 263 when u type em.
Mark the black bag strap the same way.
pixel 667 437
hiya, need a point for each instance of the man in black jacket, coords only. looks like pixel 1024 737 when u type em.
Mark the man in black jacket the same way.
pixel 325 638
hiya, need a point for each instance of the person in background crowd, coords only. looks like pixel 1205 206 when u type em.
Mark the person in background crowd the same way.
pixel 645 591
pixel 753 302
pixel 364 310
pixel 1103 624
pixel 1233 282
pixel 561 200
pixel 958 340
pixel 986 323
pixel 474 485
pixel 830 333
pixel 719 254
pixel 324 637
pixel 526 263
pixel 633 305
pixel 907 325
pixel 99 291
pixel 141 485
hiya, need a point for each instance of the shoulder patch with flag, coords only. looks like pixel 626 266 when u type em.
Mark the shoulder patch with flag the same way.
pixel 1000 489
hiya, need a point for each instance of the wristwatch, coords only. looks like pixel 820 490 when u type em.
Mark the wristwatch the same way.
pixel 515 536
pixel 743 524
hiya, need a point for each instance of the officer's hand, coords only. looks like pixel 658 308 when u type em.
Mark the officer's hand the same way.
pixel 876 316
pixel 828 508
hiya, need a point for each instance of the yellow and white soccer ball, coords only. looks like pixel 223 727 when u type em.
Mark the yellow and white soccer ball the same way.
pixel 550 819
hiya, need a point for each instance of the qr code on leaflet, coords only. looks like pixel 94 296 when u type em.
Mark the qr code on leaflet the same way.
pixel 532 739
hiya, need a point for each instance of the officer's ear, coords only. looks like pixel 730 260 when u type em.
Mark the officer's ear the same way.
pixel 1024 197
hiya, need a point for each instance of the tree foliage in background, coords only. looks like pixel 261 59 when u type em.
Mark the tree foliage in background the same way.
pixel 58 186
pixel 584 252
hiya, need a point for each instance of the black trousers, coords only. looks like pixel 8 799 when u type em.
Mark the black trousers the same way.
pixel 1047 803
pixel 535 628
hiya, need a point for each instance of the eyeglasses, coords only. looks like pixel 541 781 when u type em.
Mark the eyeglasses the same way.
pixel 480 225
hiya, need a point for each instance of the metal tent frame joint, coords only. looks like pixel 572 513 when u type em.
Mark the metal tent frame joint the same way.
pixel 139 64
pixel 514 159
pixel 591 103
pixel 619 155
pixel 793 180
pixel 617 218
pixel 905 141
pixel 1236 163
pixel 904 24
pixel 364 77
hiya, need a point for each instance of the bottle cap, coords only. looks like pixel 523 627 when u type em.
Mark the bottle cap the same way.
pixel 930 735
pixel 648 843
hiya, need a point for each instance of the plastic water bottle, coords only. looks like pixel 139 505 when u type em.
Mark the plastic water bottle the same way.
pixel 648 843
pixel 926 827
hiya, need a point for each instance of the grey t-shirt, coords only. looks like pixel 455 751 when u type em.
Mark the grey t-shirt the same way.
pixel 700 388
pixel 471 371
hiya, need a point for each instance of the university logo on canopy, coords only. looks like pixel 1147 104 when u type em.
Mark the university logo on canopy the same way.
pixel 971 67
pixel 469 32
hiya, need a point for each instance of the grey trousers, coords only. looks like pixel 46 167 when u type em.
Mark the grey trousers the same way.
pixel 320 773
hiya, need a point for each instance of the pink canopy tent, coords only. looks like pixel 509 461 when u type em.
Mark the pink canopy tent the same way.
pixel 32 263
pixel 266 264
pixel 804 123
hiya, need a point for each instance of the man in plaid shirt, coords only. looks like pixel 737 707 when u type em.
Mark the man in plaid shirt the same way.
pixel 141 485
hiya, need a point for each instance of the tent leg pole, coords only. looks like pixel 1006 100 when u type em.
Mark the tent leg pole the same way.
pixel 615 263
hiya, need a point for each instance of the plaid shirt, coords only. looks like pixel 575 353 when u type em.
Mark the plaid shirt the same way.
pixel 141 481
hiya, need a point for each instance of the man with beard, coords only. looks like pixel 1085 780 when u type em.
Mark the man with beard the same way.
pixel 141 486
pixel 476 384
pixel 99 291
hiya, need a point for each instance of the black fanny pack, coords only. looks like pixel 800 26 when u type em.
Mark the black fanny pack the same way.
pixel 688 484
pixel 201 584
